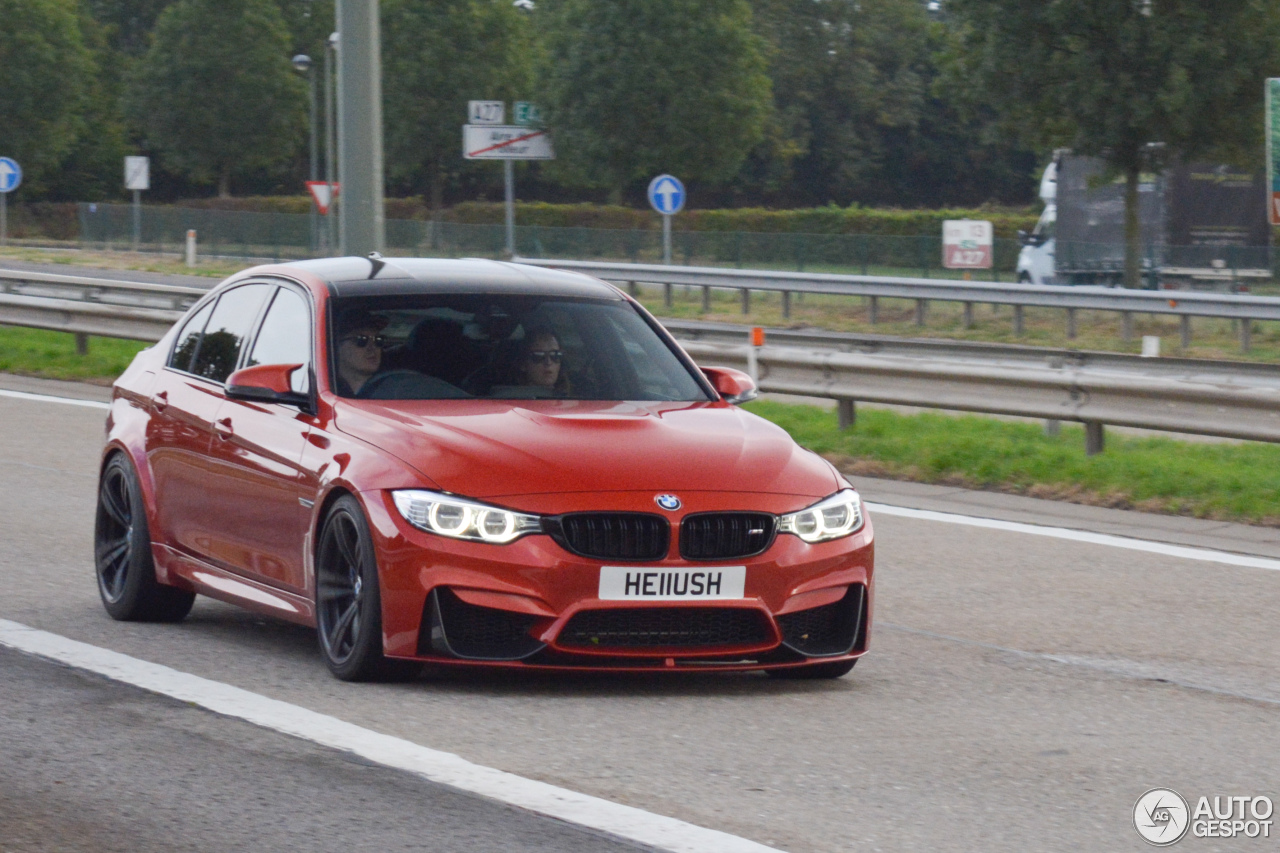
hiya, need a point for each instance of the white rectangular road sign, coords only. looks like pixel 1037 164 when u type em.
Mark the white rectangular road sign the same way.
pixel 486 112
pixel 966 244
pixel 137 173
pixel 505 143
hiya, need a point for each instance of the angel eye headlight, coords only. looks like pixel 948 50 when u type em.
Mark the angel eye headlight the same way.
pixel 831 518
pixel 458 518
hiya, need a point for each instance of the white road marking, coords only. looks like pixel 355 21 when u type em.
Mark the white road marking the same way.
pixel 45 398
pixel 445 768
pixel 1181 551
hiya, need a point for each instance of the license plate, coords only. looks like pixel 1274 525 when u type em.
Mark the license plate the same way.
pixel 711 583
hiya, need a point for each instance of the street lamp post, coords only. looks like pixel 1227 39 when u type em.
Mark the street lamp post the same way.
pixel 303 65
pixel 330 143
pixel 361 214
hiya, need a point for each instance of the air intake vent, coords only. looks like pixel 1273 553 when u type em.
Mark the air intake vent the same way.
pixel 613 535
pixel 670 627
pixel 726 535
pixel 828 630
pixel 453 627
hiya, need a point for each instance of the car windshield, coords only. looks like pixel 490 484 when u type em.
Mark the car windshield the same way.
pixel 452 346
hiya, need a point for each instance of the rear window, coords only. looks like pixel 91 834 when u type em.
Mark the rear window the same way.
pixel 453 346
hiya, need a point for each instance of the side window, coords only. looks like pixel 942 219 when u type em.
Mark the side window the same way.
pixel 189 339
pixel 285 337
pixel 230 324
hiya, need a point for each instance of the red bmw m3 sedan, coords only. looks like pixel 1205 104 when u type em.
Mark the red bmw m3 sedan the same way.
pixel 472 463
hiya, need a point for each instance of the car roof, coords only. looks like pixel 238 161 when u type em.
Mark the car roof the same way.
pixel 390 276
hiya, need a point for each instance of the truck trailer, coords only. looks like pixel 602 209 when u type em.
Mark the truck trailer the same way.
pixel 1203 226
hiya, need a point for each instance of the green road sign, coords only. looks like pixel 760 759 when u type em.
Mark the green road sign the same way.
pixel 527 113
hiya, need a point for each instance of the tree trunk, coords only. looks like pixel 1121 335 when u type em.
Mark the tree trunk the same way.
pixel 1132 228
pixel 224 182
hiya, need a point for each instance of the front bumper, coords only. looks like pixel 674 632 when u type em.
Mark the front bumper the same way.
pixel 534 605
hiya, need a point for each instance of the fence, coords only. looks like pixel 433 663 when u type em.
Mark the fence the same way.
pixel 280 236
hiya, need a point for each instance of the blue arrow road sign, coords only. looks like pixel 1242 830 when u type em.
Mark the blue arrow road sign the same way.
pixel 666 194
pixel 10 175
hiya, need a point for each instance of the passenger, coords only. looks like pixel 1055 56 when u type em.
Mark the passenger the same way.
pixel 359 349
pixel 539 362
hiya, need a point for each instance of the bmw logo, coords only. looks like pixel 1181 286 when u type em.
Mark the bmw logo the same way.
pixel 671 503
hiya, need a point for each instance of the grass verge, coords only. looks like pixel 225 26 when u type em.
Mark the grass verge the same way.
pixel 1227 481
pixel 52 355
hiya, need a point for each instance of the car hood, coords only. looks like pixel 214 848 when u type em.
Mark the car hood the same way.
pixel 489 449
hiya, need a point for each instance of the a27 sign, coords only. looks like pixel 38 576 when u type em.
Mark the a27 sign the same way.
pixel 967 244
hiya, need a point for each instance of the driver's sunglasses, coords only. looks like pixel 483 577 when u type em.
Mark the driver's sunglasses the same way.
pixel 363 341
pixel 544 356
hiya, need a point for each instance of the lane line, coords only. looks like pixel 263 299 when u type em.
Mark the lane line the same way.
pixel 1112 668
pixel 1184 552
pixel 665 833
pixel 45 398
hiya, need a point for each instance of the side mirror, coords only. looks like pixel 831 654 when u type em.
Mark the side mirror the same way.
pixel 266 383
pixel 733 385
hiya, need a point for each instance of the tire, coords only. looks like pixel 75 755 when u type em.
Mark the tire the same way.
pixel 832 669
pixel 1024 278
pixel 348 601
pixel 122 552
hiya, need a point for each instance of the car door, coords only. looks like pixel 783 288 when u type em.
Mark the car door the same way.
pixel 256 479
pixel 185 403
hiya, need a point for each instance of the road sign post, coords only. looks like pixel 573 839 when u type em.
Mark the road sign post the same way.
pixel 10 180
pixel 666 195
pixel 505 143
pixel 137 177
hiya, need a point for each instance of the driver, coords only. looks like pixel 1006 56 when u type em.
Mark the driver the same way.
pixel 359 349
pixel 538 363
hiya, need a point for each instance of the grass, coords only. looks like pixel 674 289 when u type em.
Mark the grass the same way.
pixel 52 355
pixel 1228 481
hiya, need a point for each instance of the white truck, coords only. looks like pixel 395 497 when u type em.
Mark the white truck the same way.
pixel 1203 226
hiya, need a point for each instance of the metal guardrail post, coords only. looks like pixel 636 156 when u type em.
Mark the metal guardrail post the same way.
pixel 1018 324
pixel 1184 328
pixel 968 315
pixel 1246 335
pixel 706 298
pixel 1094 438
pixel 922 307
pixel 873 309
pixel 1071 324
pixel 846 414
pixel 786 304
pixel 746 300
pixel 666 295
pixel 1126 326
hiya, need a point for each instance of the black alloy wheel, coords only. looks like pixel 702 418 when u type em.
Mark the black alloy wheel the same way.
pixel 122 553
pixel 830 669
pixel 348 603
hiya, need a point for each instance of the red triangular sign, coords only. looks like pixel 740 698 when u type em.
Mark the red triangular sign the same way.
pixel 323 193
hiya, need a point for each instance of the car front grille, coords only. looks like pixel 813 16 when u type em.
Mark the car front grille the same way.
pixel 453 627
pixel 832 629
pixel 671 627
pixel 613 535
pixel 726 535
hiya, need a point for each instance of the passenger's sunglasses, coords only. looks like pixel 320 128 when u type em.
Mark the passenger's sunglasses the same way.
pixel 544 356
pixel 363 341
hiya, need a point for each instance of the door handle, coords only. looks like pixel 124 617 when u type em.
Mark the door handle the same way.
pixel 222 427
pixel 160 401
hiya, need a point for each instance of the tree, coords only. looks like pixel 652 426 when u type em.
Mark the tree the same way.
pixel 215 93
pixel 128 22
pixel 637 87
pixel 45 71
pixel 1108 77
pixel 437 55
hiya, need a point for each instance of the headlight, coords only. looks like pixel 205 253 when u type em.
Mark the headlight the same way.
pixel 458 518
pixel 836 516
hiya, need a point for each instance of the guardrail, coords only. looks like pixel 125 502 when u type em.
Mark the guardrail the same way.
pixel 1182 303
pixel 1229 399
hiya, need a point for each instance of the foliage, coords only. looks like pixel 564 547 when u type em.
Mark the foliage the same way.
pixel 45 74
pixel 633 88
pixel 437 55
pixel 1107 77
pixel 128 23
pixel 36 352
pixel 215 93
pixel 1211 480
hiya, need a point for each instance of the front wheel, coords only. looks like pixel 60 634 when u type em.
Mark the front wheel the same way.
pixel 830 669
pixel 122 553
pixel 348 602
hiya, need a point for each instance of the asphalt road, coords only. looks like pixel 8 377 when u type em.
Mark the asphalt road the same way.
pixel 1021 692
